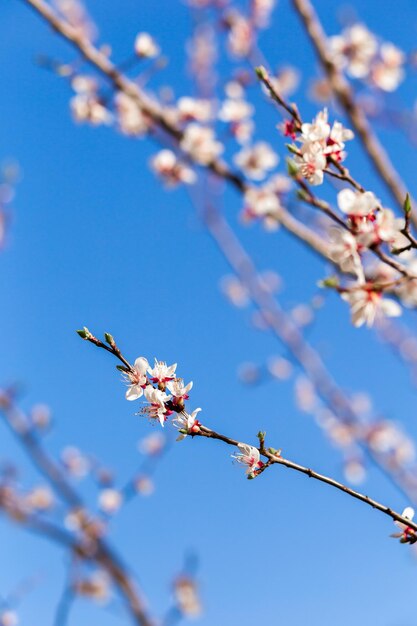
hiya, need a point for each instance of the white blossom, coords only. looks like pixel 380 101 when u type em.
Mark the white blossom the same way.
pixel 407 534
pixel 318 130
pixel 161 372
pixel 178 390
pixel 261 202
pixel 200 143
pixel 388 72
pixel 354 50
pixel 156 410
pixel 240 34
pixel 166 164
pixel 110 500
pixel 195 109
pixel 235 110
pixel 256 160
pixel 312 162
pixel 187 422
pixel 367 303
pixel 384 227
pixel 344 252
pixel 88 108
pixel 357 203
pixel 132 120
pixel 146 46
pixel 249 456
pixel 40 498
pixel 137 379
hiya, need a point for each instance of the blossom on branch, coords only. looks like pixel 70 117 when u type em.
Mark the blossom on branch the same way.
pixel 249 456
pixel 156 410
pixel 187 424
pixel 145 46
pixel 199 142
pixel 256 160
pixel 162 373
pixel 367 302
pixel 407 534
pixel 178 390
pixel 357 203
pixel 137 378
pixel 344 250
pixel 166 164
pixel 354 50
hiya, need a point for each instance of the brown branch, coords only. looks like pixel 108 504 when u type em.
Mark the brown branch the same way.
pixel 154 111
pixel 104 553
pixel 345 96
pixel 274 459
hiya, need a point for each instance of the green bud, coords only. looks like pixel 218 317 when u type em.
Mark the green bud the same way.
pixel 292 168
pixel 122 368
pixel 331 282
pixel 84 333
pixel 292 148
pixel 303 195
pixel 407 204
pixel 109 339
pixel 261 72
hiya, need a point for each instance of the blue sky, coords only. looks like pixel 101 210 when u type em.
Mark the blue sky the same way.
pixel 96 241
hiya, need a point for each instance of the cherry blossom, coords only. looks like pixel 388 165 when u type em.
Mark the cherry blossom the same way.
pixel 318 130
pixel 40 498
pixel 407 534
pixel 186 597
pixel 195 109
pixel 166 164
pixel 137 379
pixel 178 390
pixel 162 373
pixel 187 424
pixel 145 46
pixel 354 50
pixel 261 12
pixel 240 34
pixel 249 456
pixel 256 160
pixel 131 119
pixel 366 303
pixel 312 162
pixel 344 251
pixel 383 227
pixel 88 108
pixel 320 141
pixel 199 142
pixel 156 410
pixel 357 203
pixel 110 500
pixel 388 72
pixel 262 202
pixel 235 110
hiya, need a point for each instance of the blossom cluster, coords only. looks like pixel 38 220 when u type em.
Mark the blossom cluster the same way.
pixel 320 143
pixel 359 52
pixel 153 383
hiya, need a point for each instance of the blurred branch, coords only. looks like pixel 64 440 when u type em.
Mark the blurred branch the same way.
pixel 345 96
pixel 103 553
pixel 155 111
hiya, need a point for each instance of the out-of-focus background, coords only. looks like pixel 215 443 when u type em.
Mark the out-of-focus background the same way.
pixel 95 240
